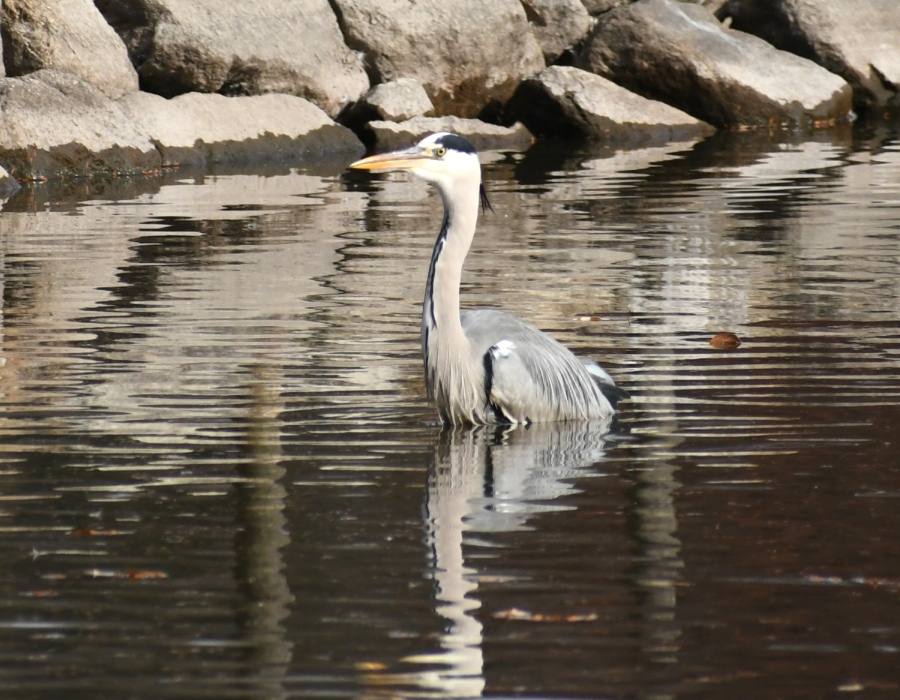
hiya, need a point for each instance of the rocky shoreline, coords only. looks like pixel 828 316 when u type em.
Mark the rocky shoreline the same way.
pixel 131 87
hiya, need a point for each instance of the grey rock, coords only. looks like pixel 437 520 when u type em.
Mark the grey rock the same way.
pixel 202 129
pixel 598 7
pixel 558 24
pixel 395 101
pixel 387 136
pixel 469 56
pixel 857 39
pixel 56 123
pixel 399 100
pixel 239 48
pixel 565 101
pixel 69 36
pixel 680 53
pixel 712 5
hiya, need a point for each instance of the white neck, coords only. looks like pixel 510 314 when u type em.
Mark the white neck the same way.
pixel 453 375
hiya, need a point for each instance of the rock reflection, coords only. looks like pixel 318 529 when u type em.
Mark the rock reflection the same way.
pixel 655 527
pixel 261 537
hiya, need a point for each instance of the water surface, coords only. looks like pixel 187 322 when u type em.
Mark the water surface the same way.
pixel 220 477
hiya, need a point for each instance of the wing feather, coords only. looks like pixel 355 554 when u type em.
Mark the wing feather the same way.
pixel 533 377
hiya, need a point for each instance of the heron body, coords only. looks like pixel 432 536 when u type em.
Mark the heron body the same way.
pixel 485 366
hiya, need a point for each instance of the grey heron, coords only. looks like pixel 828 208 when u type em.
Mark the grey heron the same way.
pixel 484 366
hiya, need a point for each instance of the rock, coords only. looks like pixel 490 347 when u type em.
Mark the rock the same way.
pixel 713 5
pixel 558 24
pixel 69 36
pixel 469 56
pixel 857 39
pixel 201 129
pixel 54 122
pixel 8 184
pixel 564 101
pixel 679 53
pixel 395 101
pixel 238 48
pixel 399 100
pixel 598 7
pixel 387 136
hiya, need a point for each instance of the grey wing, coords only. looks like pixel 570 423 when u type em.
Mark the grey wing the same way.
pixel 612 391
pixel 531 377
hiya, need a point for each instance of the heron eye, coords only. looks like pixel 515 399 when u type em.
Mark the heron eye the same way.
pixel 440 152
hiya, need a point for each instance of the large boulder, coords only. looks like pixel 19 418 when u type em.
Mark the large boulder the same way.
pixel 398 100
pixel 395 101
pixel 565 101
pixel 598 7
pixel 681 54
pixel 558 24
pixel 469 56
pixel 387 136
pixel 200 129
pixel 239 48
pixel 857 39
pixel 65 35
pixel 54 122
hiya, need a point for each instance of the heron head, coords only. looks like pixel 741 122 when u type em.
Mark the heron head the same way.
pixel 447 160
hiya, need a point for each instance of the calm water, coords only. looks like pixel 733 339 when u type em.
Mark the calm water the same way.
pixel 219 476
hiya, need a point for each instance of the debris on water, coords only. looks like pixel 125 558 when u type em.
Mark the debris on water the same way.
pixel 519 614
pixel 725 341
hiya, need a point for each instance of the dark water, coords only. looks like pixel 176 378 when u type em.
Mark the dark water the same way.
pixel 219 476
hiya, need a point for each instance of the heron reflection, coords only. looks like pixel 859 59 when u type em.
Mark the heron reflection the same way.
pixel 490 480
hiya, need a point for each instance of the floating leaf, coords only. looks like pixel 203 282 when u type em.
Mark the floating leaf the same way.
pixel 725 341
pixel 518 614
pixel 851 687
pixel 143 575
pixel 93 532
pixel 42 593
pixel 370 666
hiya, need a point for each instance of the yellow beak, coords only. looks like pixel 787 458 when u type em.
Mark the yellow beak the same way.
pixel 396 160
